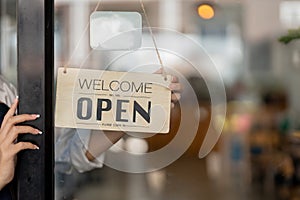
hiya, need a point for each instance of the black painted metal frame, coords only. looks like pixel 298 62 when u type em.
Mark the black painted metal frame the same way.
pixel 35 170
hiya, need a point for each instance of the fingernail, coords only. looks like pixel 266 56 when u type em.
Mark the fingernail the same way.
pixel 39 132
pixel 17 97
pixel 36 115
pixel 36 147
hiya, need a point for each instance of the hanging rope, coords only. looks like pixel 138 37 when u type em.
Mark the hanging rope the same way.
pixel 153 39
pixel 150 30
pixel 80 39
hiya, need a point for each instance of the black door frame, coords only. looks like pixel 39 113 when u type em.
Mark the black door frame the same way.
pixel 35 170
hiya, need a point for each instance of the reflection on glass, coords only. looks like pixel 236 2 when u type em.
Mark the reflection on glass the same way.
pixel 8 38
pixel 256 156
pixel 115 30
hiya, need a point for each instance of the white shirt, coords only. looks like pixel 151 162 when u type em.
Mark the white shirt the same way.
pixel 70 148
pixel 8 92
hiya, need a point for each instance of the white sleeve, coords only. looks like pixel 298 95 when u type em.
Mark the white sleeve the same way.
pixel 8 92
pixel 70 147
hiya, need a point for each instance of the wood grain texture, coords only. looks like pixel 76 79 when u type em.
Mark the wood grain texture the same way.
pixel 123 100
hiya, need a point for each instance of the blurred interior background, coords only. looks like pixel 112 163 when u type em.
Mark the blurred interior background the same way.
pixel 258 153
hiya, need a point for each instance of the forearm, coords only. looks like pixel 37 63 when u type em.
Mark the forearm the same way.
pixel 101 141
pixel 4 177
pixel 2 184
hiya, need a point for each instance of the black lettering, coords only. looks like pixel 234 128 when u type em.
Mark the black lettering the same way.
pixel 114 88
pixel 95 84
pixel 135 89
pixel 89 104
pixel 103 86
pixel 100 107
pixel 85 83
pixel 123 88
pixel 141 111
pixel 120 111
pixel 148 87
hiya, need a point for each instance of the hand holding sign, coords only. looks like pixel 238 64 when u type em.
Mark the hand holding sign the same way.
pixel 116 101
pixel 86 95
pixel 175 87
pixel 108 138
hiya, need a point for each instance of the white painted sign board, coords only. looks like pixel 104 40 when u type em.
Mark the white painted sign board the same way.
pixel 115 30
pixel 107 100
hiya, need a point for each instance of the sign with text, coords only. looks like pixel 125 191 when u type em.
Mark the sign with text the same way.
pixel 107 100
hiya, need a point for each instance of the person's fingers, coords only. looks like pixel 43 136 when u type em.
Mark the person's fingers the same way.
pixel 175 97
pixel 10 112
pixel 16 130
pixel 175 87
pixel 12 121
pixel 24 145
pixel 175 79
pixel 22 118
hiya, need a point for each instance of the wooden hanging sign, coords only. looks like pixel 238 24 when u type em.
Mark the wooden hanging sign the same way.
pixel 108 100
